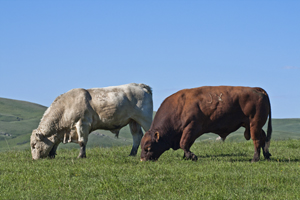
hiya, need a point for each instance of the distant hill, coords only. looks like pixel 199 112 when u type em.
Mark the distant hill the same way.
pixel 19 118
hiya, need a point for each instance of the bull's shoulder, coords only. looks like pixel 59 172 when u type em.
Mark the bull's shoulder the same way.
pixel 74 97
pixel 76 91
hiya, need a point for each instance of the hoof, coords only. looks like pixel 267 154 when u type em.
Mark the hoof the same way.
pixel 51 157
pixel 254 160
pixel 194 157
pixel 267 156
pixel 191 156
pixel 133 153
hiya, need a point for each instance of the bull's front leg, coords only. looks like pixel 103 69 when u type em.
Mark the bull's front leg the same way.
pixel 82 153
pixel 188 137
pixel 52 153
pixel 83 132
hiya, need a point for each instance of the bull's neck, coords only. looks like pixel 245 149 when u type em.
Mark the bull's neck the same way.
pixel 48 127
pixel 169 136
pixel 50 122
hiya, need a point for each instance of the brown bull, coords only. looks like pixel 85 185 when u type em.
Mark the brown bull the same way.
pixel 189 113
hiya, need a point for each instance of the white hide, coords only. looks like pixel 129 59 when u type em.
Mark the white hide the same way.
pixel 76 113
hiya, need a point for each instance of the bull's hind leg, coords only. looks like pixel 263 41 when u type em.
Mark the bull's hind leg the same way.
pixel 256 135
pixel 137 135
pixel 144 119
pixel 266 152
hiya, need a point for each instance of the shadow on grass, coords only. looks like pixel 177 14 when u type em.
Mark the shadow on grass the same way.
pixel 224 155
pixel 230 157
pixel 286 160
pixel 243 157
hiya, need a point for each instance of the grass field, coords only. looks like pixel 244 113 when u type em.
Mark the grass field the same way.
pixel 223 171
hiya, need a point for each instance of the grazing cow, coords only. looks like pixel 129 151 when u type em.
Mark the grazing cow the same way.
pixel 75 114
pixel 189 113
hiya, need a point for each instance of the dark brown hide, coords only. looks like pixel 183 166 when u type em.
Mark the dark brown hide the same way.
pixel 189 113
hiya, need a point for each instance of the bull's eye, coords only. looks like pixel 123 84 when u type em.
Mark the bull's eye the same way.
pixel 33 146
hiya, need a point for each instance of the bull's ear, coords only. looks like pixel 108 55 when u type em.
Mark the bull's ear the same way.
pixel 156 136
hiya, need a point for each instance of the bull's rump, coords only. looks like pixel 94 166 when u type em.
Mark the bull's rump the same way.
pixel 120 102
pixel 220 109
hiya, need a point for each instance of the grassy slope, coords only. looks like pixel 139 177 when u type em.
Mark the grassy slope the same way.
pixel 19 118
pixel 223 171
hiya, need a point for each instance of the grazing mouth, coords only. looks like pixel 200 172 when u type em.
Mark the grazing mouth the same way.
pixel 144 159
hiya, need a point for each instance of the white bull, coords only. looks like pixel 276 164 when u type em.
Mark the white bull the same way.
pixel 75 114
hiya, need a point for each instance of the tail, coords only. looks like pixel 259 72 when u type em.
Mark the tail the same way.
pixel 269 131
pixel 147 88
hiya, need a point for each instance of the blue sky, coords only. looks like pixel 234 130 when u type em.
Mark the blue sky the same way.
pixel 50 47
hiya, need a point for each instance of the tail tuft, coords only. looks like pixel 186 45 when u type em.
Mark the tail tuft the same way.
pixel 146 87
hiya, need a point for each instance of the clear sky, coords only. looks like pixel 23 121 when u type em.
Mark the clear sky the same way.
pixel 50 47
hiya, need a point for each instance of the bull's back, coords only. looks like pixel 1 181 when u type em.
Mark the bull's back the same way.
pixel 214 107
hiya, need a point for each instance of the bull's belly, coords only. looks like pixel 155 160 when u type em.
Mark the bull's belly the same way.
pixel 221 127
pixel 222 131
pixel 110 125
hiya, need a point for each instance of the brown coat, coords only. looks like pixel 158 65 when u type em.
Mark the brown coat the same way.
pixel 189 113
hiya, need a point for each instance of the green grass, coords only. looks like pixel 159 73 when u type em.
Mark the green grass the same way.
pixel 223 171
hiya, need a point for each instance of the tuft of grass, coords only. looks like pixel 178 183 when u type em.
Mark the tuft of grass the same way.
pixel 223 171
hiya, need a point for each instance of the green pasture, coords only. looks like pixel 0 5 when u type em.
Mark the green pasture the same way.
pixel 223 171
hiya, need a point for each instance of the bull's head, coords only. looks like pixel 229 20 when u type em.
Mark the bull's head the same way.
pixel 40 145
pixel 152 146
